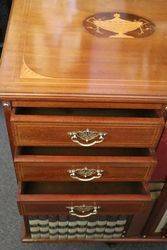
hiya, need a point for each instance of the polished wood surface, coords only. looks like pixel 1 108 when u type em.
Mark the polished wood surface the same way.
pixel 48 52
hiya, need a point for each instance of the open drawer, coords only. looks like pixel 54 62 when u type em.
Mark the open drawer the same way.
pixel 82 200
pixel 86 127
pixel 83 164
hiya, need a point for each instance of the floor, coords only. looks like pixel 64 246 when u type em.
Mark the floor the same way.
pixel 10 221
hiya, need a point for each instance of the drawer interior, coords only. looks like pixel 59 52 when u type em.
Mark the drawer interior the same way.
pixel 118 188
pixel 151 113
pixel 67 151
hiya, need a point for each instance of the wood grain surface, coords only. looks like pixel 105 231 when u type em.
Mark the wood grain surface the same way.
pixel 48 53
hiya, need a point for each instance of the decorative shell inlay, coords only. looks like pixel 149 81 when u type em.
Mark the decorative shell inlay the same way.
pixel 27 73
pixel 118 25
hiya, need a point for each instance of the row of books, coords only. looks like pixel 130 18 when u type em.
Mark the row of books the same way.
pixel 66 227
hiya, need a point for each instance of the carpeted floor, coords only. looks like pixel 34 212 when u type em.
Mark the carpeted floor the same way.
pixel 10 221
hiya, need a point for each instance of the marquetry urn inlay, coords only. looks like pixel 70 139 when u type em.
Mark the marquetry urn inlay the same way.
pixel 118 25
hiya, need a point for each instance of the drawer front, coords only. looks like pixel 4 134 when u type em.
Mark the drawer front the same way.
pixel 82 200
pixel 79 209
pixel 115 134
pixel 84 171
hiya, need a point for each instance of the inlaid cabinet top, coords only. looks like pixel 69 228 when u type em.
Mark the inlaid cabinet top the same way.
pixel 86 49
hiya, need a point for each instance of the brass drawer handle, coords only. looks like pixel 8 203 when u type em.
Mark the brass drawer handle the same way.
pixel 86 136
pixel 83 211
pixel 85 174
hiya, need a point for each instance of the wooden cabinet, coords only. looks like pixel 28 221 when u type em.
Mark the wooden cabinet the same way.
pixel 84 91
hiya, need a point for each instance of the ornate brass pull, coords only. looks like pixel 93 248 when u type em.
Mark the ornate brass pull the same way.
pixel 85 174
pixel 83 211
pixel 87 136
